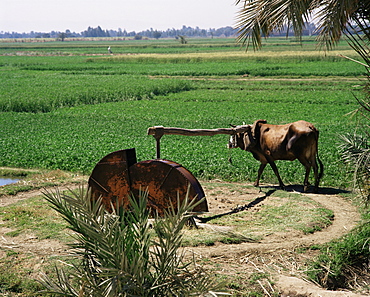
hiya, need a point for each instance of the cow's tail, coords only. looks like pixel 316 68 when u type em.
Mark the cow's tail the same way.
pixel 321 171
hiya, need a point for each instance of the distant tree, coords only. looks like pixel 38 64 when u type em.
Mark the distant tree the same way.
pixel 138 37
pixel 62 36
pixel 157 34
pixel 95 32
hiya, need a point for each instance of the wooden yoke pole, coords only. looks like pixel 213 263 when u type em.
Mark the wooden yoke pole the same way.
pixel 159 131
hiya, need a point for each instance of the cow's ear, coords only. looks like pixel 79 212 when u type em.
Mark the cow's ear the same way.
pixel 256 127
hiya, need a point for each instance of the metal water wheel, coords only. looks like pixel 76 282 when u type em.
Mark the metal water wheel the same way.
pixel 118 175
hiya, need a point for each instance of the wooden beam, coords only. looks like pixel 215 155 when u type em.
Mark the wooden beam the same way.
pixel 158 131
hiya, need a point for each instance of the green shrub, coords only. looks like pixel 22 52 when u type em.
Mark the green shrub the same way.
pixel 120 256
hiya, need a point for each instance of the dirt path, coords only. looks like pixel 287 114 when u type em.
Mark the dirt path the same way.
pixel 11 199
pixel 275 254
pixel 346 217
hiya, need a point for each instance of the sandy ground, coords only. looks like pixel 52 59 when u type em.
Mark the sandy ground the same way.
pixel 275 254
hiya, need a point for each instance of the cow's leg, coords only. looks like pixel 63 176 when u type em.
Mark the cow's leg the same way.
pixel 276 171
pixel 260 171
pixel 316 173
pixel 307 165
pixel 305 182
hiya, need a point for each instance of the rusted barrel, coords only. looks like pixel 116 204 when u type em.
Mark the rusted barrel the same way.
pixel 118 175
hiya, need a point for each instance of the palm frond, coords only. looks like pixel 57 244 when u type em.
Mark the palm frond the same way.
pixel 355 151
pixel 117 252
pixel 258 18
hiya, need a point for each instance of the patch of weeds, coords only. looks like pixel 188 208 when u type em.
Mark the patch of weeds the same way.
pixel 15 279
pixel 324 218
pixel 35 179
pixel 258 276
pixel 300 213
pixel 33 214
pixel 343 263
pixel 290 195
pixel 314 247
pixel 200 237
pixel 17 172
pixel 209 237
pixel 231 240
pixel 209 242
pixel 255 285
pixel 283 213
pixel 235 238
pixel 13 189
pixel 14 233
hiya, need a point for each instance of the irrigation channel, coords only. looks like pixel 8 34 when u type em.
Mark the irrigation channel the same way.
pixel 6 181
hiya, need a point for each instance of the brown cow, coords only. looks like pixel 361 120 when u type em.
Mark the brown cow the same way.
pixel 268 143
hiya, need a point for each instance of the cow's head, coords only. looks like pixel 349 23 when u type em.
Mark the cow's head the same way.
pixel 244 140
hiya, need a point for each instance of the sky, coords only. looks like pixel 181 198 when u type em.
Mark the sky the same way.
pixel 133 15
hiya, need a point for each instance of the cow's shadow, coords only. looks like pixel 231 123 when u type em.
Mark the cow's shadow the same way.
pixel 299 189
pixel 268 191
pixel 240 208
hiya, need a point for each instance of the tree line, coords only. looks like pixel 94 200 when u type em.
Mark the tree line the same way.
pixel 187 31
pixel 149 33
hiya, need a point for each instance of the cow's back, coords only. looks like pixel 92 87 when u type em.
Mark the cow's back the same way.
pixel 286 142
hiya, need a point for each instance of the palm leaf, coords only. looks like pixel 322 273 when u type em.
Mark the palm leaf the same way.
pixel 258 18
pixel 355 152
pixel 117 252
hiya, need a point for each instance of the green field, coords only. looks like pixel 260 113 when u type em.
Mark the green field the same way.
pixel 65 105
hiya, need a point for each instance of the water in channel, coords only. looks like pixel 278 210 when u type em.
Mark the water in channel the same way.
pixel 7 180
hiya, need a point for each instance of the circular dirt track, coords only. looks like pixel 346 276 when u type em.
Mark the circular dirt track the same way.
pixel 275 254
pixel 345 219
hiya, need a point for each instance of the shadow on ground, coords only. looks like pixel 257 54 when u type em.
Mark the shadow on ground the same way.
pixel 267 191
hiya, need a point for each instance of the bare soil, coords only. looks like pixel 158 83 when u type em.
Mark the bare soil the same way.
pixel 277 254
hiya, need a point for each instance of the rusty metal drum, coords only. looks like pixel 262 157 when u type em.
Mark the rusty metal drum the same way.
pixel 164 181
pixel 118 175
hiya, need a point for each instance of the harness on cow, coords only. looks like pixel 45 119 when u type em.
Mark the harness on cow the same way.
pixel 233 142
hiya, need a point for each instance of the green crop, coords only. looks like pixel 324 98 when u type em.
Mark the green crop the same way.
pixel 67 112
pixel 42 92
